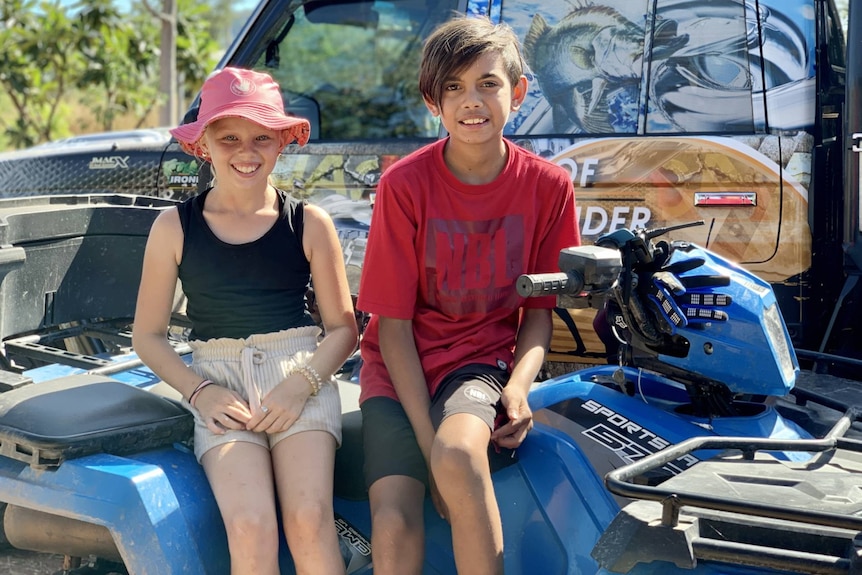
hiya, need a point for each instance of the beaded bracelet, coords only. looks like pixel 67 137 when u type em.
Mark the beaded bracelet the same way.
pixel 197 390
pixel 313 378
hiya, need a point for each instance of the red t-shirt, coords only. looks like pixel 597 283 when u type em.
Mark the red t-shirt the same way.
pixel 447 255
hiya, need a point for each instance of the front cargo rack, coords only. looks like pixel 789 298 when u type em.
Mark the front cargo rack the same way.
pixel 747 506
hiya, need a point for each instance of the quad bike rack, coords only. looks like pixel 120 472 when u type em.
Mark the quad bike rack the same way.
pixel 744 507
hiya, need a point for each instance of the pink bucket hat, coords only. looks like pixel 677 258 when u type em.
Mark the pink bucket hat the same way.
pixel 241 93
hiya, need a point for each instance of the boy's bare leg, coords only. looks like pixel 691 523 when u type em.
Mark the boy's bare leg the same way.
pixel 459 463
pixel 241 479
pixel 303 466
pixel 397 525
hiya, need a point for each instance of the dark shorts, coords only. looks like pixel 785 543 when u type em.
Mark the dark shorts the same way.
pixel 390 444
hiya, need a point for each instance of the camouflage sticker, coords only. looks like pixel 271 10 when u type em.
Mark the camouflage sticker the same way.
pixel 352 175
pixel 181 175
pixel 478 7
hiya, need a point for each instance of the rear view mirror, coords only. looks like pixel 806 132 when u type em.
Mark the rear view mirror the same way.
pixel 342 13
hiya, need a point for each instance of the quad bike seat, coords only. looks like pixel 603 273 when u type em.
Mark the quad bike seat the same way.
pixel 46 424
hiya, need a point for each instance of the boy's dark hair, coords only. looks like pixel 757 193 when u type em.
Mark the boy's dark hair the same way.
pixel 459 42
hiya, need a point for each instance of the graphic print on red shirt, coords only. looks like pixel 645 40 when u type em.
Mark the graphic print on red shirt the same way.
pixel 474 264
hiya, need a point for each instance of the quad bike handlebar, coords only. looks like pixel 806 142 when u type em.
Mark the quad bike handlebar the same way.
pixel 590 268
pixel 595 268
pixel 680 309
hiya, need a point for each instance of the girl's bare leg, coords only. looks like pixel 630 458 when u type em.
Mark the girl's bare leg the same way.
pixel 240 474
pixel 303 465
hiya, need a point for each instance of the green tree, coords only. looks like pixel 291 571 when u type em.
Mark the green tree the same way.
pixel 121 73
pixel 38 69
pixel 55 56
pixel 196 47
pixel 221 21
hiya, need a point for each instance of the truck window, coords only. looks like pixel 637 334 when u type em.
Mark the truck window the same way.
pixel 352 67
pixel 645 67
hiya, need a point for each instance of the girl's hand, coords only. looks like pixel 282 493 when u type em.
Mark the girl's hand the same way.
pixel 222 409
pixel 281 407
pixel 520 419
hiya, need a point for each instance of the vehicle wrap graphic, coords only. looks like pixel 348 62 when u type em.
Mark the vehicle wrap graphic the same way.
pixel 355 548
pixel 655 181
pixel 181 175
pixel 609 438
pixel 673 66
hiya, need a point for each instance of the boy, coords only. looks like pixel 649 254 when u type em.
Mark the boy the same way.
pixel 451 349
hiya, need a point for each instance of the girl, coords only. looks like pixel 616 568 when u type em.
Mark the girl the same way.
pixel 267 410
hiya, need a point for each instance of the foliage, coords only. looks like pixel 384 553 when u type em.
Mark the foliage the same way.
pixel 196 46
pixel 121 73
pixel 90 51
pixel 38 68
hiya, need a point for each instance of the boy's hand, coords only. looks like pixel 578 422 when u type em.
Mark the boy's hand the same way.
pixel 512 433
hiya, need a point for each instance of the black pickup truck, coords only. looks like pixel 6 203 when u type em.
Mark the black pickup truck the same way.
pixel 136 162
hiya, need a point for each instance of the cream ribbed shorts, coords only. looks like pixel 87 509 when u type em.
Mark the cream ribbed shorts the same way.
pixel 252 367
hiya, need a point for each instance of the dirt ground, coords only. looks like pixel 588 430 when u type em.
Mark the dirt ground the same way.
pixel 17 562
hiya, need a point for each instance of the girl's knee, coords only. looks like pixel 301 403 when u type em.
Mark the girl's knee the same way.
pixel 308 518
pixel 254 534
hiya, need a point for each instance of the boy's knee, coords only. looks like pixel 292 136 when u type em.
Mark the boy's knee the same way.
pixel 396 522
pixel 453 459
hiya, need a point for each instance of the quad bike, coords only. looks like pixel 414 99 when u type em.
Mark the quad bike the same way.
pixel 694 452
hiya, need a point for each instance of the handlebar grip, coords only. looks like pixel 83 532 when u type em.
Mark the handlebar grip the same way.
pixel 538 285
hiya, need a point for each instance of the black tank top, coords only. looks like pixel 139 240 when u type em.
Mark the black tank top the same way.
pixel 239 290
